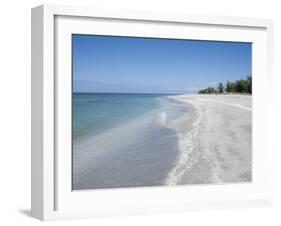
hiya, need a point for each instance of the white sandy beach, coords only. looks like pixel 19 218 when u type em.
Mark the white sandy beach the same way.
pixel 207 141
pixel 215 140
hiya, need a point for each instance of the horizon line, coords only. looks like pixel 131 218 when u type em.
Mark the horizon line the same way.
pixel 129 93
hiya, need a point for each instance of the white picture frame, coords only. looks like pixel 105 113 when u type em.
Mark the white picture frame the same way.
pixel 52 197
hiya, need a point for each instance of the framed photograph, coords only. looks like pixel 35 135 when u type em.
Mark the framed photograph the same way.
pixel 141 112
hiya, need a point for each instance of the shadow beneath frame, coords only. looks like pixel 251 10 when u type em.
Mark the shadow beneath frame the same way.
pixel 25 212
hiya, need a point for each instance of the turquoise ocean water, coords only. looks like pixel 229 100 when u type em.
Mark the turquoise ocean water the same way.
pixel 123 140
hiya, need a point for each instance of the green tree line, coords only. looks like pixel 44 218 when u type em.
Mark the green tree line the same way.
pixel 239 86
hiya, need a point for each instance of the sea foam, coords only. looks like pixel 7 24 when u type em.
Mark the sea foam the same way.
pixel 162 119
pixel 186 156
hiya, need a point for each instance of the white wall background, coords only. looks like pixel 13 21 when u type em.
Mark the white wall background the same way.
pixel 15 111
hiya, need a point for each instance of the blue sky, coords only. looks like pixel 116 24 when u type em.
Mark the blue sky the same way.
pixel 148 65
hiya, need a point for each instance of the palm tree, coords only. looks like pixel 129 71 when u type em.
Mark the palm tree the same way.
pixel 220 88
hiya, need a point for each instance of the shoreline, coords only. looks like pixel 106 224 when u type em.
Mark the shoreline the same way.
pixel 217 148
pixel 208 143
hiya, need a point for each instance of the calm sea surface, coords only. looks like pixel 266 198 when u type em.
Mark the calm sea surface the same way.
pixel 123 140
